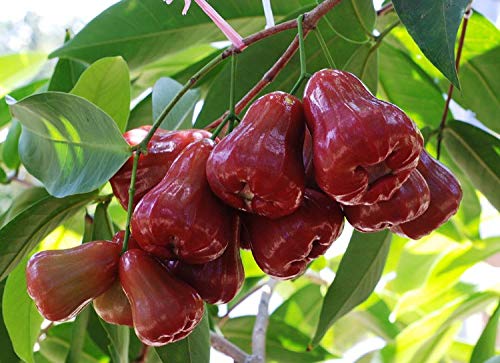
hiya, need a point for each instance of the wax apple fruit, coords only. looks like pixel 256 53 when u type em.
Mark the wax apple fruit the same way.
pixel 62 282
pixel 163 148
pixel 258 168
pixel 283 247
pixel 113 306
pixel 446 195
pixel 364 148
pixel 181 218
pixel 407 203
pixel 216 281
pixel 164 309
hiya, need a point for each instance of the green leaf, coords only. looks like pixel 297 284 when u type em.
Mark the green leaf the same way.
pixel 66 72
pixel 102 228
pixel 364 63
pixel 141 114
pixel 353 20
pixel 18 68
pixel 19 93
pixel 142 31
pixel 477 152
pixel 23 201
pixel 302 309
pixel 68 143
pixel 195 348
pixel 405 84
pixel 485 347
pixel 164 90
pixel 10 152
pixel 20 314
pixel 433 24
pixel 358 274
pixel 106 83
pixel 24 231
pixel 4 179
pixel 284 343
pixel 78 336
pixel 7 353
pixel 434 350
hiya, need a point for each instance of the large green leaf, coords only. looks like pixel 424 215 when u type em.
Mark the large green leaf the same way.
pixel 78 335
pixel 106 83
pixel 478 71
pixel 10 150
pixel 358 274
pixel 68 143
pixel 20 314
pixel 364 63
pixel 142 31
pixel 195 348
pixel 164 91
pixel 433 24
pixel 24 231
pixel 18 68
pixel 18 94
pixel 284 343
pixel 7 353
pixel 477 152
pixel 434 350
pixel 485 347
pixel 353 20
pixel 405 84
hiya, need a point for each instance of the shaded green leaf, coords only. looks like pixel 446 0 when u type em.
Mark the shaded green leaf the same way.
pixel 477 152
pixel 18 94
pixel 433 24
pixel 23 201
pixel 195 348
pixel 18 68
pixel 78 334
pixel 7 353
pixel 364 63
pixel 68 143
pixel 4 179
pixel 485 346
pixel 10 152
pixel 164 90
pixel 358 274
pixel 20 314
pixel 353 19
pixel 102 227
pixel 24 231
pixel 106 83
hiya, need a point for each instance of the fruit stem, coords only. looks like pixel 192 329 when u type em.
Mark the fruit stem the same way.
pixel 302 53
pixel 324 47
pixel 131 193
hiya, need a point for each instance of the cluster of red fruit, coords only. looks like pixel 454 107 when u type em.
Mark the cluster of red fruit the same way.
pixel 271 186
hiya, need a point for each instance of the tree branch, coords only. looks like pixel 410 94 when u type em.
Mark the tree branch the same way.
pixel 261 323
pixel 224 346
pixel 461 41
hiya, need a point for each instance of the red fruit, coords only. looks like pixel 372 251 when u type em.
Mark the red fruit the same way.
pixel 164 309
pixel 446 195
pixel 217 281
pixel 113 306
pixel 258 167
pixel 283 247
pixel 364 148
pixel 62 282
pixel 409 202
pixel 163 148
pixel 181 218
pixel 120 236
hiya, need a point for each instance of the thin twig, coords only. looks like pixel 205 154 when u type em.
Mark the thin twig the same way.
pixel 224 346
pixel 385 9
pixel 461 41
pixel 315 278
pixel 261 324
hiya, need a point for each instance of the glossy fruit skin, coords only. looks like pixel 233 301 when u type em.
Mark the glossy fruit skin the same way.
pixel 164 309
pixel 62 282
pixel 410 201
pixel 364 148
pixel 113 306
pixel 163 148
pixel 120 236
pixel 446 195
pixel 258 168
pixel 217 281
pixel 181 218
pixel 283 247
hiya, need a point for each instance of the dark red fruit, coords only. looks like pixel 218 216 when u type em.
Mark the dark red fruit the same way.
pixel 164 309
pixel 409 202
pixel 113 306
pixel 181 218
pixel 120 236
pixel 258 168
pixel 163 148
pixel 62 282
pixel 216 281
pixel 446 195
pixel 283 247
pixel 364 148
